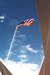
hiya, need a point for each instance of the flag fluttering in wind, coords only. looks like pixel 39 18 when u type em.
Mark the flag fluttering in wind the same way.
pixel 27 22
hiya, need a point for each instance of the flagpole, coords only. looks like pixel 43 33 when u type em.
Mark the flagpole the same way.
pixel 12 43
pixel 26 23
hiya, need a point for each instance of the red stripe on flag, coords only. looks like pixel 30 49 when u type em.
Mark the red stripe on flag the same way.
pixel 27 22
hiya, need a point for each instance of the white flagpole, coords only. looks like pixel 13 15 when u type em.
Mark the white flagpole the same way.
pixel 12 43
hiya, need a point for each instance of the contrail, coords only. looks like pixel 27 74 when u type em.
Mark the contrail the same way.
pixel 9 52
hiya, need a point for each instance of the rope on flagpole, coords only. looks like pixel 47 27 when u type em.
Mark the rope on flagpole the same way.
pixel 9 52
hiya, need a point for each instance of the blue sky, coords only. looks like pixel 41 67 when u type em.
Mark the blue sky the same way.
pixel 27 47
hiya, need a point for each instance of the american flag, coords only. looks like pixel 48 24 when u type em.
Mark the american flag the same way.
pixel 27 22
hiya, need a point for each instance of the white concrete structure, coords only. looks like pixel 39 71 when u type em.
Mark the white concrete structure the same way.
pixel 3 68
pixel 43 8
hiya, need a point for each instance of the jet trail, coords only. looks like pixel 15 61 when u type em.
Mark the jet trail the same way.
pixel 9 52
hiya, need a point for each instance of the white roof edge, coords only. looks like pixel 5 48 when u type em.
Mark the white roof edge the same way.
pixel 5 65
pixel 1 60
pixel 42 63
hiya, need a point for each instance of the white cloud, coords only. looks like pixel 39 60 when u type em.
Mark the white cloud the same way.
pixel 21 36
pixel 31 49
pixel 8 20
pixel 25 48
pixel 2 21
pixel 22 68
pixel 2 17
pixel 24 60
pixel 22 51
pixel 22 56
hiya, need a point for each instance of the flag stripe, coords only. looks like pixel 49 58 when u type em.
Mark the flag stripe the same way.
pixel 27 22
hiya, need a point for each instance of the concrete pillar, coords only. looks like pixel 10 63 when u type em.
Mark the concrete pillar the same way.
pixel 43 8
